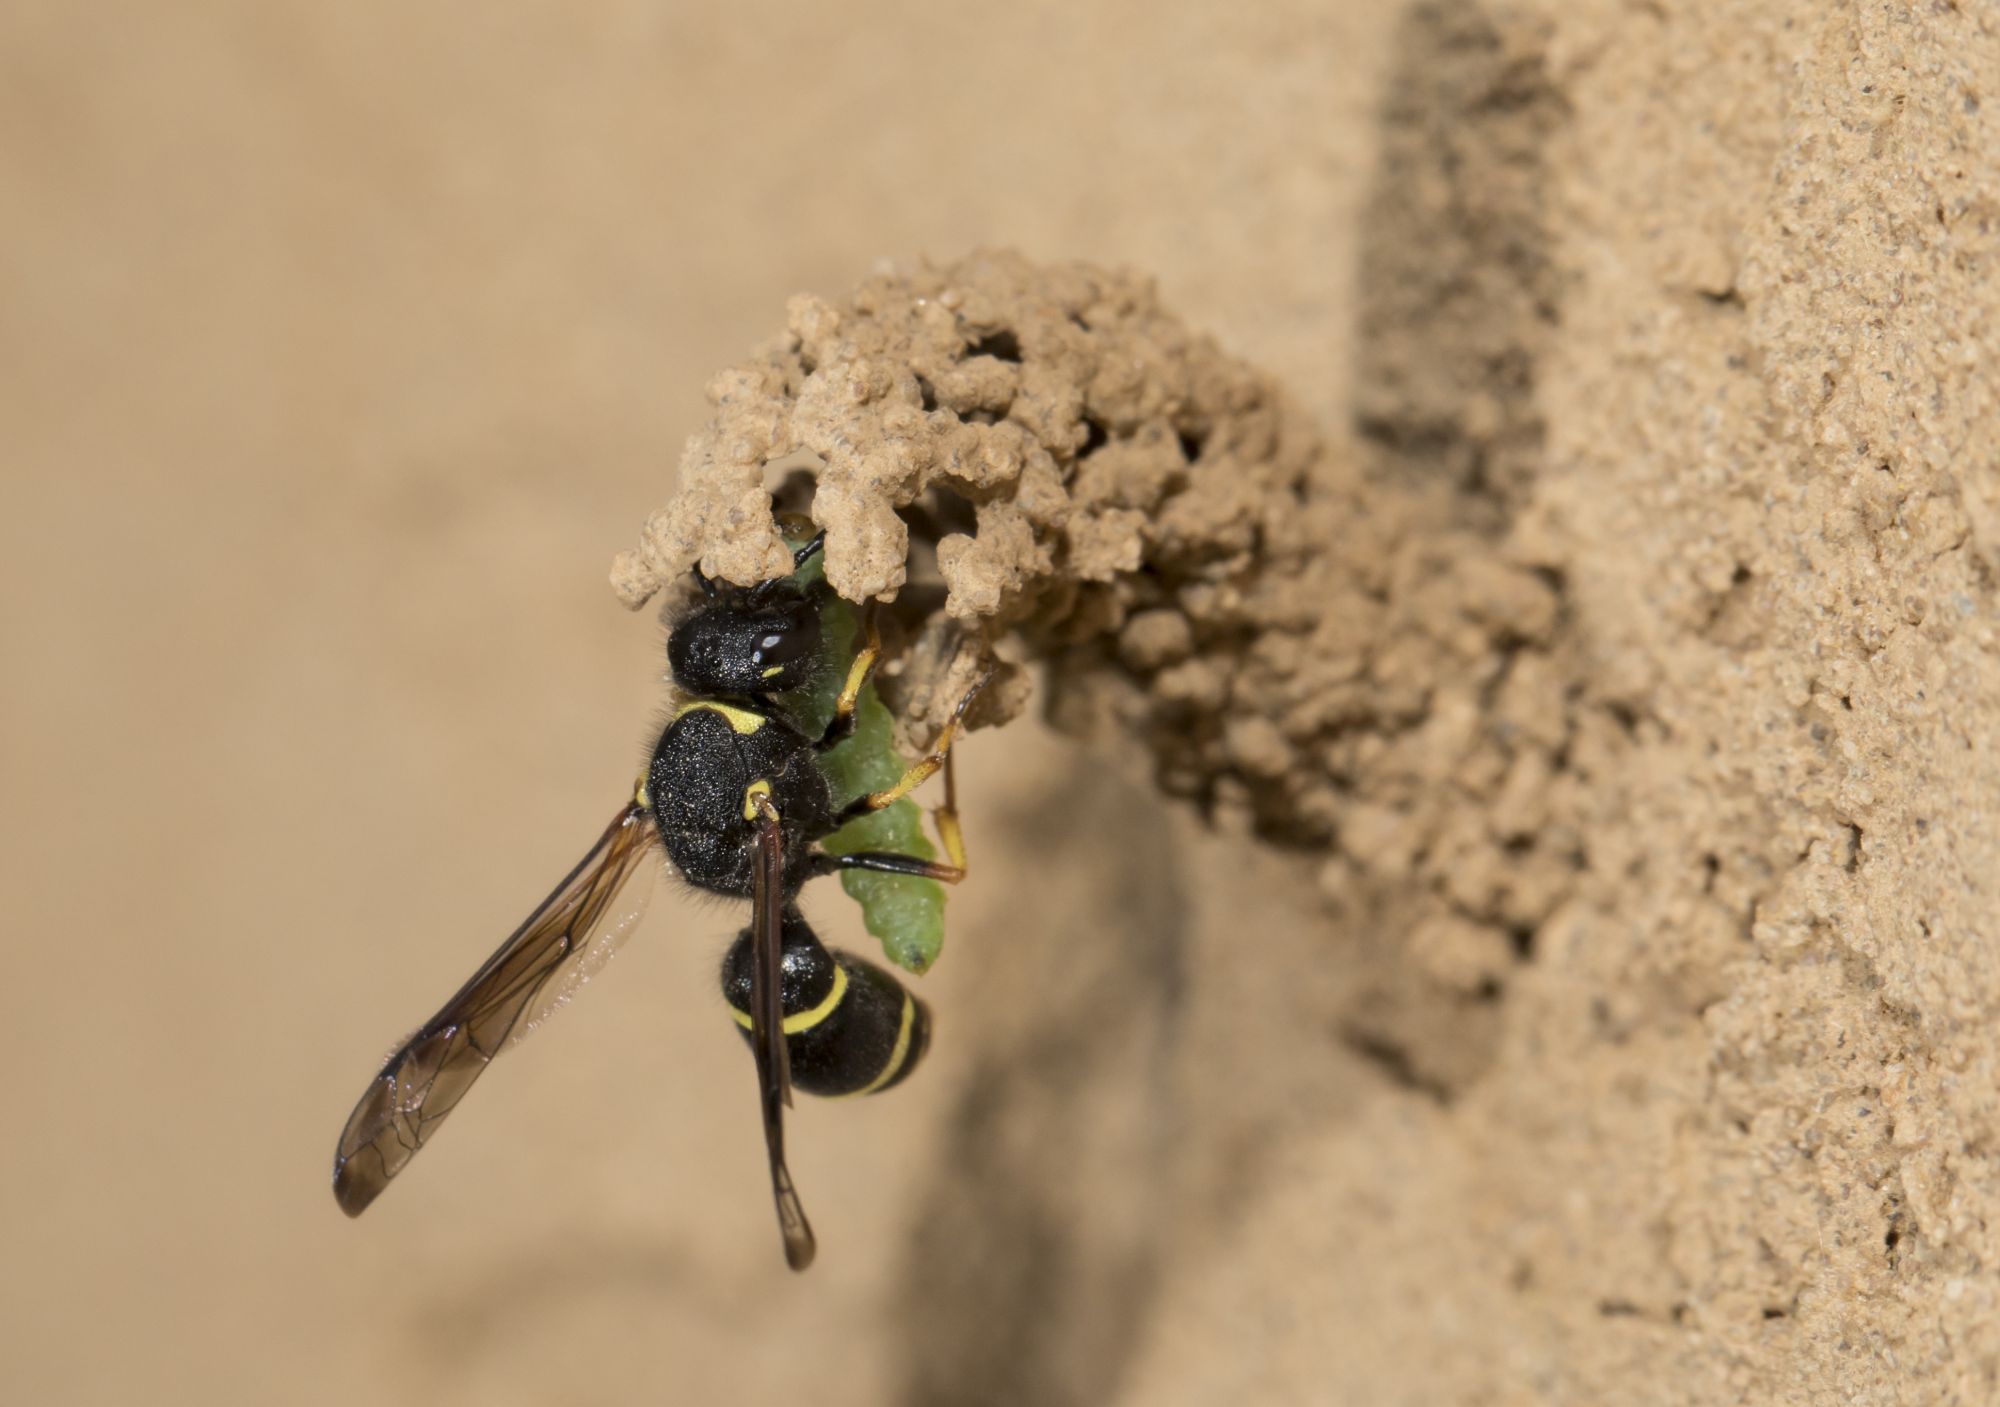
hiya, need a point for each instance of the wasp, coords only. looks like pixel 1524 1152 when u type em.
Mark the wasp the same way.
pixel 743 794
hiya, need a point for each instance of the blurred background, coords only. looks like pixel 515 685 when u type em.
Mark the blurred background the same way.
pixel 340 349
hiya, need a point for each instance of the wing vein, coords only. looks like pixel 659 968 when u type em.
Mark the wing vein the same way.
pixel 427 1076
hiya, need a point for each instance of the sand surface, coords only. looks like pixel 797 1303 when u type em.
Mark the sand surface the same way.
pixel 1541 950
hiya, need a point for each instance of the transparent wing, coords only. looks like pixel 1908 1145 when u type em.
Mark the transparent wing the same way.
pixel 534 972
pixel 767 1030
pixel 591 956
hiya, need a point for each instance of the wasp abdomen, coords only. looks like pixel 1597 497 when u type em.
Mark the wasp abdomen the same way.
pixel 850 1027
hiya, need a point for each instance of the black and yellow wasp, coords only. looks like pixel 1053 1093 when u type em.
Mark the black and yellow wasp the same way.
pixel 740 797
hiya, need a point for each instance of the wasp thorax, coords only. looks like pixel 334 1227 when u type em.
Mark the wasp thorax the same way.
pixel 742 649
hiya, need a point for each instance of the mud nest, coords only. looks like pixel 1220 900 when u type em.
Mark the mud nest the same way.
pixel 1039 463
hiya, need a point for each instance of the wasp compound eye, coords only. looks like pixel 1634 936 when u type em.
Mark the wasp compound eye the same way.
pixel 736 649
pixel 789 648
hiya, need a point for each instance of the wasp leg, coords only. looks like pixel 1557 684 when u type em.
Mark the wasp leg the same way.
pixel 944 817
pixel 888 862
pixel 922 770
pixel 842 723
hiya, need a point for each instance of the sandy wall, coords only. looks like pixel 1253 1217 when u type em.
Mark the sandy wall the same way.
pixel 1556 968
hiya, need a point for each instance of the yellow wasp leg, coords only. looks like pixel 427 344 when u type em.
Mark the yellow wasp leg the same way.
pixel 858 671
pixel 926 767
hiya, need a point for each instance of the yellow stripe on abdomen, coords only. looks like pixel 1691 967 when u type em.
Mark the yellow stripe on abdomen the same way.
pixel 897 1055
pixel 806 1020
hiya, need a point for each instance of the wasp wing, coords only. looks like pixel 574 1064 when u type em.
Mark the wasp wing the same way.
pixel 424 1080
pixel 589 957
pixel 767 1028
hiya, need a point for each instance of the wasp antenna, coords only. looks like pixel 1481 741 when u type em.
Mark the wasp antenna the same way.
pixel 805 554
